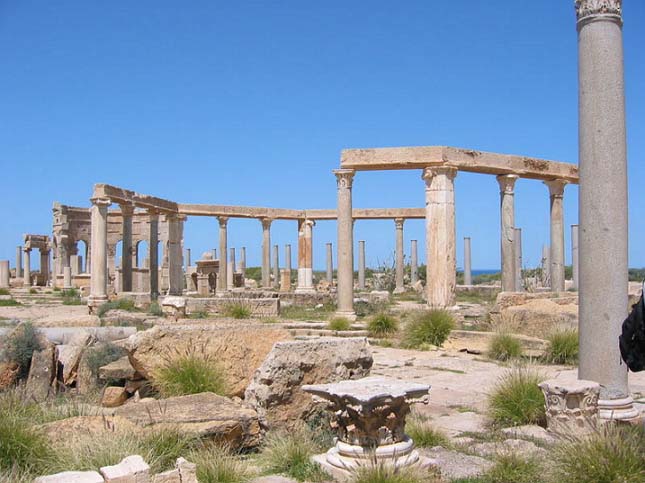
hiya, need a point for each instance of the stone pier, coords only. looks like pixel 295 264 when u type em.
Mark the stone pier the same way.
pixel 517 247
pixel 399 272
pixel 603 203
pixel 345 244
pixel 76 264
pixel 285 279
pixel 556 192
pixel 575 260
pixel 153 252
pixel 440 236
pixel 330 263
pixel 266 252
pixel 361 265
pixel 99 276
pixel 275 265
pixel 468 271
pixel 305 257
pixel 5 274
pixel 414 262
pixel 18 261
pixel 507 216
pixel 222 277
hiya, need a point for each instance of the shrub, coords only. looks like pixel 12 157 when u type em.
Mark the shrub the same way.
pixel 290 454
pixel 21 446
pixel 33 291
pixel 189 372
pixel 516 398
pixel 380 473
pixel 339 323
pixel 20 347
pixel 101 355
pixel 503 347
pixel 516 469
pixel 382 325
pixel 9 303
pixel 428 327
pixel 423 434
pixel 198 314
pixel 4 291
pixel 237 310
pixel 118 304
pixel 563 347
pixel 155 309
pixel 218 465
pixel 611 454
pixel 71 297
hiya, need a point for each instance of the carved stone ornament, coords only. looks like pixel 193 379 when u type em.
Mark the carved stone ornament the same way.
pixel 587 8
pixel 571 406
pixel 344 178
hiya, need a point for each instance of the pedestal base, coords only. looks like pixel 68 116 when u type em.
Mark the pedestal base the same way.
pixel 618 409
pixel 94 302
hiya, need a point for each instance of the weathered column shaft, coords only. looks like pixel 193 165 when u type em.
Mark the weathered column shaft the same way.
pixel 345 242
pixel 153 253
pixel 440 236
pixel 575 259
pixel 517 245
pixel 222 283
pixel 187 260
pixel 27 268
pixel 44 265
pixel 230 270
pixel 330 263
pixel 468 269
pixel 275 265
pixel 99 276
pixel 546 266
pixel 242 264
pixel 266 252
pixel 414 262
pixel 399 264
pixel 18 261
pixel 361 264
pixel 507 216
pixel 175 255
pixel 5 274
pixel 305 256
pixel 126 248
pixel 603 203
pixel 556 191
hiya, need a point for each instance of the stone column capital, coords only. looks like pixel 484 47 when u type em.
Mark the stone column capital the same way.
pixel 223 221
pixel 432 171
pixel 588 10
pixel 344 177
pixel 126 210
pixel 398 222
pixel 556 187
pixel 26 250
pixel 507 183
pixel 101 201
pixel 153 212
pixel 266 223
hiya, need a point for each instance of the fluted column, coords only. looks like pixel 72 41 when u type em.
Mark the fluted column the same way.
pixel 153 253
pixel 603 203
pixel 361 265
pixel 266 252
pixel 556 192
pixel 517 244
pixel 507 216
pixel 440 236
pixel 18 261
pixel 275 266
pixel 223 250
pixel 175 254
pixel 330 263
pixel 99 275
pixel 305 257
pixel 468 269
pixel 398 224
pixel 27 270
pixel 575 259
pixel 344 245
pixel 126 248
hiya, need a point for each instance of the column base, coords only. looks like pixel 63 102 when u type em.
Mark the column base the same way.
pixel 618 409
pixel 351 316
pixel 95 301
pixel 305 290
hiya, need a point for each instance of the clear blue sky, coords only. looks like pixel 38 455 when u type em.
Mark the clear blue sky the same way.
pixel 251 103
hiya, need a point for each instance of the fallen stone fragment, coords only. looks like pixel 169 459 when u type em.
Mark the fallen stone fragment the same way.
pixel 184 472
pixel 67 359
pixel 131 469
pixel 71 477
pixel 114 396
pixel 119 369
pixel 529 431
pixel 454 465
pixel 96 427
pixel 41 374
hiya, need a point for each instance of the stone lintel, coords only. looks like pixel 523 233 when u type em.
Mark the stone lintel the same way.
pixel 420 157
pixel 127 197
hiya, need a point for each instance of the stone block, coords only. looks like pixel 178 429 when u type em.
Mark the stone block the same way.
pixel 67 360
pixel 119 369
pixel 131 469
pixel 71 477
pixel 41 374
pixel 114 396
pixel 571 406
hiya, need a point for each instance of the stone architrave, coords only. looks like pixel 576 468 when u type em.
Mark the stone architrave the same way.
pixel 153 253
pixel 603 203
pixel 99 275
pixel 575 260
pixel 126 246
pixel 440 236
pixel 399 264
pixel 344 245
pixel 414 262
pixel 305 257
pixel 468 271
pixel 18 261
pixel 275 266
pixel 266 252
pixel 27 269
pixel 330 263
pixel 571 406
pixel 4 274
pixel 507 216
pixel 556 193
pixel 361 265
pixel 223 250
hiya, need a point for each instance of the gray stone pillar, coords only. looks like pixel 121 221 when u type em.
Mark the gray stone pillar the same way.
pixel 230 270
pixel 574 256
pixel 275 266
pixel 175 255
pixel 517 244
pixel 603 203
pixel 126 248
pixel 222 278
pixel 5 274
pixel 287 257
pixel 440 236
pixel 99 276
pixel 468 269
pixel 18 261
pixel 187 258
pixel 414 262
pixel 44 265
pixel 266 252
pixel 330 263
pixel 27 270
pixel 214 251
pixel 399 263
pixel 242 264
pixel 507 216
pixel 305 257
pixel 153 253
pixel 344 245
pixel 546 266
pixel 67 277
pixel 361 265
pixel 75 264
pixel 556 192
pixel 285 280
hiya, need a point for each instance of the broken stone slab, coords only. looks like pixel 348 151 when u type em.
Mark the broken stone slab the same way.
pixel 119 369
pixel 530 432
pixel 41 374
pixel 67 360
pixel 455 465
pixel 132 469
pixel 86 381
pixel 114 396
pixel 125 317
pixel 276 389
pixel 71 477
pixel 206 415
pixel 86 428
pixel 184 472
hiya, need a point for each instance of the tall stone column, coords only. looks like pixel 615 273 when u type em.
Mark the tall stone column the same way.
pixel 222 283
pixel 361 265
pixel 126 248
pixel 507 216
pixel 440 236
pixel 242 265
pixel 398 224
pixel 556 192
pixel 5 274
pixel 187 257
pixel 230 270
pixel 603 203
pixel 575 259
pixel 275 265
pixel 175 255
pixel 414 262
pixel 27 270
pixel 305 257
pixel 344 245
pixel 287 257
pixel 285 280
pixel 468 269
pixel 546 266
pixel 44 265
pixel 517 244
pixel 18 261
pixel 214 252
pixel 330 263
pixel 153 253
pixel 266 252
pixel 99 275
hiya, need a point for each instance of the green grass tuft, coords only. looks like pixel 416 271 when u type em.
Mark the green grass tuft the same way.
pixel 423 434
pixel 4 291
pixel 428 327
pixel 237 310
pixel 21 446
pixel 9 303
pixel 118 304
pixel 563 347
pixel 218 465
pixel 380 473
pixel 503 347
pixel 516 399
pixel 155 309
pixel 382 325
pixel 20 346
pixel 516 469
pixel 339 324
pixel 33 291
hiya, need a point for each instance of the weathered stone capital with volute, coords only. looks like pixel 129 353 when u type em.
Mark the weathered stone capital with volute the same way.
pixel 589 9
pixel 398 222
pixel 556 187
pixel 344 177
pixel 266 222
pixel 507 183
pixel 432 171
pixel 223 220
pixel 101 201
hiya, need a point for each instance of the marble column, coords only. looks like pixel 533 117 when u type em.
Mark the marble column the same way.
pixel 285 282
pixel 399 267
pixel 266 252
pixel 242 264
pixel 275 266
pixel 414 262
pixel 344 245
pixel 75 264
pixel 99 275
pixel 305 257
pixel 575 260
pixel 287 257
pixel 18 261
pixel 5 274
pixel 153 253
pixel 517 245
pixel 507 216
pixel 187 258
pixel 468 269
pixel 175 254
pixel 126 248
pixel 222 283
pixel 330 263
pixel 440 236
pixel 556 192
pixel 603 203
pixel 230 270
pixel 27 270
pixel 361 265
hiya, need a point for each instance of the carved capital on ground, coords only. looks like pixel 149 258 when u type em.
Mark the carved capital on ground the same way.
pixel 586 9
pixel 344 178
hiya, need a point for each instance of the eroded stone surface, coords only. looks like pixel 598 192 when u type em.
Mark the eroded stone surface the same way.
pixel 455 465
pixel 571 405
pixel 132 469
pixel 119 369
pixel 71 477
